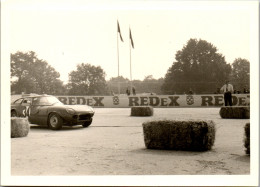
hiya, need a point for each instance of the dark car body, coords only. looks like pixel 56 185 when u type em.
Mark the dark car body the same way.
pixel 46 110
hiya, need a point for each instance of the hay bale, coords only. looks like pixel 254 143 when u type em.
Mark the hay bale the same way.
pixel 179 135
pixel 19 127
pixel 247 138
pixel 141 111
pixel 235 112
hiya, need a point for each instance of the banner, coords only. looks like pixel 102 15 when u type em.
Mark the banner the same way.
pixel 163 101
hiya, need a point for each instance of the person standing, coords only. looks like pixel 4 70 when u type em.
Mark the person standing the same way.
pixel 227 89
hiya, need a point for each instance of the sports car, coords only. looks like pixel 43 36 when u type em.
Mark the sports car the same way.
pixel 47 110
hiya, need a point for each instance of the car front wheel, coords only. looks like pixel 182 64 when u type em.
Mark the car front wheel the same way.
pixel 55 122
pixel 87 123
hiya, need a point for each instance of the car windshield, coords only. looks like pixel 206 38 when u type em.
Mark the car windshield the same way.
pixel 48 100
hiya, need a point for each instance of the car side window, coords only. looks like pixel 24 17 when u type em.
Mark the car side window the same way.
pixel 43 101
pixel 40 101
pixel 35 101
pixel 26 102
pixel 18 101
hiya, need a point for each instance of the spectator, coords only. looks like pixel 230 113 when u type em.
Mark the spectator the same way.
pixel 246 91
pixel 227 89
pixel 133 89
pixel 190 92
pixel 217 91
pixel 127 91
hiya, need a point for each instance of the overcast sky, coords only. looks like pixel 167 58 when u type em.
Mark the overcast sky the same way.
pixel 66 33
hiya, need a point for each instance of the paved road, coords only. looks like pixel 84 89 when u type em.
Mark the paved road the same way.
pixel 114 145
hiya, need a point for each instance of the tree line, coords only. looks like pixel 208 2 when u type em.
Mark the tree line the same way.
pixel 198 67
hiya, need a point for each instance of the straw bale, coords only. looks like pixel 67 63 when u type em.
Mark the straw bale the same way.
pixel 179 135
pixel 19 127
pixel 141 111
pixel 247 138
pixel 241 112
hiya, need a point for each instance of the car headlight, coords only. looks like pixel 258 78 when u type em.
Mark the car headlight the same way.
pixel 70 111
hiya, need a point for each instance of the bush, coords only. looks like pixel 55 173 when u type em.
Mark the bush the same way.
pixel 19 127
pixel 235 112
pixel 141 111
pixel 247 138
pixel 179 135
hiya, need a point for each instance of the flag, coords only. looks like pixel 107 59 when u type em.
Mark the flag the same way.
pixel 131 38
pixel 118 30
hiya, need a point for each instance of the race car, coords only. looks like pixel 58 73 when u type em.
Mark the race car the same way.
pixel 47 110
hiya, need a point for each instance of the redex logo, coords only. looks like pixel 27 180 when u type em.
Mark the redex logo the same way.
pixel 95 101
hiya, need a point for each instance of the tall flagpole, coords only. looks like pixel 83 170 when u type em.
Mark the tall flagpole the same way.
pixel 131 89
pixel 118 63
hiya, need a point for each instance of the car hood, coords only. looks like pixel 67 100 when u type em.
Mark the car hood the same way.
pixel 80 108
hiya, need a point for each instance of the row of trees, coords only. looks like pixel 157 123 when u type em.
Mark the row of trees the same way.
pixel 198 67
pixel 201 68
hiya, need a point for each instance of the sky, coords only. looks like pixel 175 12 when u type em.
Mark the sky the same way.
pixel 69 32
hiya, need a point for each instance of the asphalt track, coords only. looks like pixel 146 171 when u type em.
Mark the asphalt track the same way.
pixel 114 145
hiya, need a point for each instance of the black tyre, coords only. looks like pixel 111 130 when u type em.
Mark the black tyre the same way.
pixel 55 121
pixel 13 113
pixel 87 123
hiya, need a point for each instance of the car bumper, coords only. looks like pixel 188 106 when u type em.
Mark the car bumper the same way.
pixel 78 118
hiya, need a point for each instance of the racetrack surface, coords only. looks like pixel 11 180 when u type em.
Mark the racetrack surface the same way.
pixel 114 145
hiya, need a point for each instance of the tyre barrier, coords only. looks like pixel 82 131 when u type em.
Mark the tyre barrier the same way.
pixel 234 112
pixel 141 111
pixel 247 138
pixel 19 127
pixel 179 135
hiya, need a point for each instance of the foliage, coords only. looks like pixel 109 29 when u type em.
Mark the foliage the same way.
pixel 240 75
pixel 87 80
pixel 199 67
pixel 148 85
pixel 33 75
pixel 116 83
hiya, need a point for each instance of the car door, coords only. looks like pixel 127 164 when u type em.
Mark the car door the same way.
pixel 38 111
pixel 22 107
pixel 25 105
pixel 17 106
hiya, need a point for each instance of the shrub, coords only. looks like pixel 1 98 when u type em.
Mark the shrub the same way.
pixel 179 135
pixel 141 111
pixel 235 112
pixel 19 127
pixel 247 138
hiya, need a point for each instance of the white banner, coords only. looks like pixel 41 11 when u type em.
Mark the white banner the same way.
pixel 163 101
pixel 155 100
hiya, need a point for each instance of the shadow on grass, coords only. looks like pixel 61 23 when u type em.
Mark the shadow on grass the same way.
pixel 244 158
pixel 163 152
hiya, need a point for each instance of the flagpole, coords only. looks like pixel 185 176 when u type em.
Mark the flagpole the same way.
pixel 131 89
pixel 118 63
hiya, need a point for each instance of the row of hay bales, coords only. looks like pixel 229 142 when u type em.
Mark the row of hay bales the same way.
pixel 187 135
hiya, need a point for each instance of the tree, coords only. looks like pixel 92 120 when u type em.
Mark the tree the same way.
pixel 240 75
pixel 199 67
pixel 150 85
pixel 87 80
pixel 33 75
pixel 116 83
